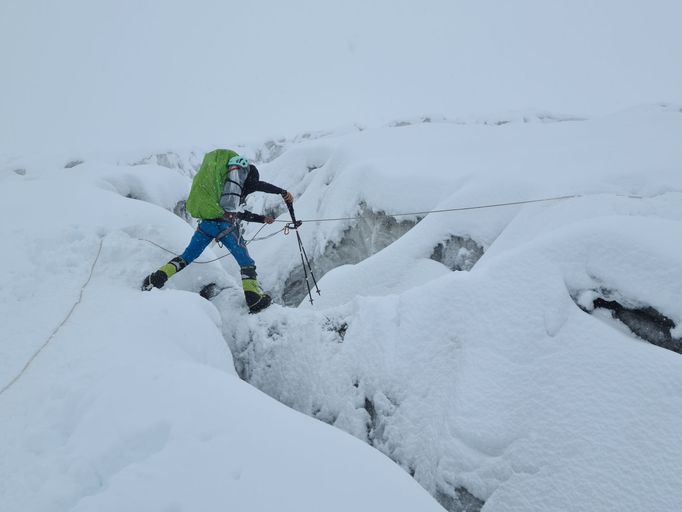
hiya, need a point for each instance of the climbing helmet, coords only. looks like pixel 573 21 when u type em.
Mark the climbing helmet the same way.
pixel 238 162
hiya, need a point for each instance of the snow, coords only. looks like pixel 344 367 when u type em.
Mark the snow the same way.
pixel 134 403
pixel 499 386
pixel 469 165
pixel 494 380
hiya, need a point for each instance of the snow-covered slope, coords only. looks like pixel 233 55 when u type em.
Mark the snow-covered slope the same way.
pixel 130 400
pixel 494 382
pixel 502 386
pixel 444 165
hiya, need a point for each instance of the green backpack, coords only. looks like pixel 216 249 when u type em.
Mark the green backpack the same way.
pixel 207 187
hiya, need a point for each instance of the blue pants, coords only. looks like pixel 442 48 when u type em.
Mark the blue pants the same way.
pixel 208 230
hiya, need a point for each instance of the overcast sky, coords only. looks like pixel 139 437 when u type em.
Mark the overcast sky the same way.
pixel 80 74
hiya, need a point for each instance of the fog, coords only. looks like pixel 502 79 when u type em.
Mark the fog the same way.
pixel 80 74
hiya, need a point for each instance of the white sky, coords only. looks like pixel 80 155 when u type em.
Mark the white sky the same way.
pixel 79 74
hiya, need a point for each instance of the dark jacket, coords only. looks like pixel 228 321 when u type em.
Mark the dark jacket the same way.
pixel 253 183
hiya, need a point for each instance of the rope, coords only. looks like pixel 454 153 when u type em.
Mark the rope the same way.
pixel 61 324
pixel 252 239
pixel 463 208
pixel 285 228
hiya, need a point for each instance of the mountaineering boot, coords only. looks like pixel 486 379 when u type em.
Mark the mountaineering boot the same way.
pixel 154 280
pixel 264 301
pixel 158 279
pixel 255 298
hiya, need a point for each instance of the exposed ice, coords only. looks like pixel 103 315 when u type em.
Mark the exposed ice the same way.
pixel 369 234
pixel 457 253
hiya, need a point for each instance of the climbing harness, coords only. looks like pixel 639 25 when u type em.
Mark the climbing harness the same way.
pixel 56 329
pixel 222 234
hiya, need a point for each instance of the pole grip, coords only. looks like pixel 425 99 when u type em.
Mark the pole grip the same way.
pixel 293 216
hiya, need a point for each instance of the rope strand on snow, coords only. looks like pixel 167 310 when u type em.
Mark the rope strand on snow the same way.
pixel 463 208
pixel 61 324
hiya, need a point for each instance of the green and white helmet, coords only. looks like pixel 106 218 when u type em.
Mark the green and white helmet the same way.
pixel 238 161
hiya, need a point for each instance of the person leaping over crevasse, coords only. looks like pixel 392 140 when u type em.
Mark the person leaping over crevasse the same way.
pixel 218 190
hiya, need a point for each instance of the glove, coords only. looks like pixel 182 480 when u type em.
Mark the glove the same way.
pixel 288 198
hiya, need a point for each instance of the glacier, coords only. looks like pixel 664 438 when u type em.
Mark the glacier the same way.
pixel 462 350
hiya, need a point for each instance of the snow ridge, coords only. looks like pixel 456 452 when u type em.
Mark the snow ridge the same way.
pixel 461 345
pixel 475 382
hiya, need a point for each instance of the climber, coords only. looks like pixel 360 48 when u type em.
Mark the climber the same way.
pixel 218 190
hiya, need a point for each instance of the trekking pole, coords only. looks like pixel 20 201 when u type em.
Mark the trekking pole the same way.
pixel 305 262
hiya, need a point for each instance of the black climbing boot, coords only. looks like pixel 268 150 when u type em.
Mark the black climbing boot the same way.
pixel 263 302
pixel 158 279
pixel 154 280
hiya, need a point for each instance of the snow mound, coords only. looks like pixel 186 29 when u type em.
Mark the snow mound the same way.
pixel 491 382
pixel 113 399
